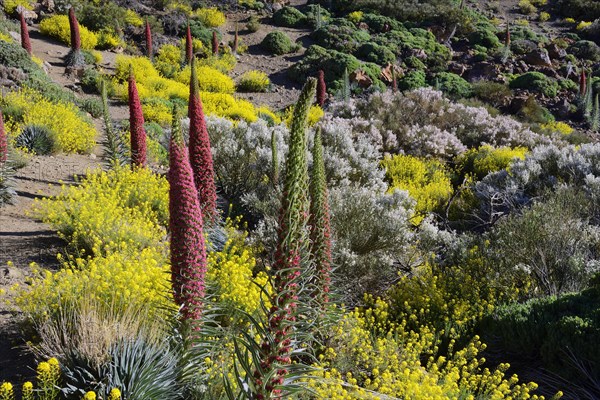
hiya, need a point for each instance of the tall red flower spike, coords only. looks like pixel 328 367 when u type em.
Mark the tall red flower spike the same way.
pixel 507 38
pixel 200 154
pixel 149 40
pixel 188 252
pixel 215 44
pixel 136 125
pixel 74 25
pixel 25 42
pixel 321 89
pixel 189 46
pixel 3 141
pixel 582 83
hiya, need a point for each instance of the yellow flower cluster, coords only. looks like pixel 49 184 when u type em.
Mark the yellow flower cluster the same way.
pixel 107 39
pixel 370 357
pixel 57 27
pixel 133 18
pixel 10 6
pixel 210 17
pixel 232 270
pixel 119 210
pixel 557 126
pixel 209 79
pixel 427 181
pixel 355 16
pixel 486 159
pixel 254 81
pixel 151 84
pixel 583 25
pixel 70 132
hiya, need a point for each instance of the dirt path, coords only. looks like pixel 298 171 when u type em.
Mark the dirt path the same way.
pixel 23 239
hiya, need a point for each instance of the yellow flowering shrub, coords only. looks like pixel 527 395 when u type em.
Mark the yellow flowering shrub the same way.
pixel 125 279
pixel 266 113
pixel 223 62
pixel 427 181
pixel 47 376
pixel 151 84
pixel 314 115
pixel 368 357
pixel 570 20
pixel 10 6
pixel 582 25
pixel 168 60
pixel 5 37
pixel 132 18
pixel 57 27
pixel 355 16
pixel 70 132
pixel 209 79
pixel 487 159
pixel 232 271
pixel 210 17
pixel 157 110
pixel 557 126
pixel 254 81
pixel 177 6
pixel 107 39
pixel 118 210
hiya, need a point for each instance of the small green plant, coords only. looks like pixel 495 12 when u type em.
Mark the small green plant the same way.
pixel 289 17
pixel 279 43
pixel 253 24
pixel 36 139
pixel 536 81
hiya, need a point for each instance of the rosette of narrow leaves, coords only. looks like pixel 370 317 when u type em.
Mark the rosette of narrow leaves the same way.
pixel 273 362
pixel 200 154
pixel 136 125
pixel 320 225
pixel 25 42
pixel 189 47
pixel 6 172
pixel 321 89
pixel 188 252
pixel 148 34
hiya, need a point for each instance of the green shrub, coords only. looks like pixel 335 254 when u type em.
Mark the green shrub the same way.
pixel 13 55
pixel 586 50
pixel 452 85
pixel 485 36
pixel 375 53
pixel 90 81
pixel 381 24
pixel 279 43
pixel 586 10
pixel 520 32
pixel 253 24
pixel 316 15
pixel 415 63
pixel 332 62
pixel 341 35
pixel 496 94
pixel 199 31
pixel 36 139
pixel 289 16
pixel 522 46
pixel 536 81
pixel 412 80
pixel 533 112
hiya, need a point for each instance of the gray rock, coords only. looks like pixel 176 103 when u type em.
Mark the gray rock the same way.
pixel 538 57
pixel 556 52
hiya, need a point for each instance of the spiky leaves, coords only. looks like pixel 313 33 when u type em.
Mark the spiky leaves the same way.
pixel 137 133
pixel 215 44
pixel 188 252
pixel 320 225
pixel 200 154
pixel 292 246
pixel 25 42
pixel 114 148
pixel 189 46
pixel 148 34
pixel 3 141
pixel 321 89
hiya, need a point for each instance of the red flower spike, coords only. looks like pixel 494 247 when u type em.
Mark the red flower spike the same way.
pixel 25 42
pixel 321 89
pixel 189 46
pixel 582 83
pixel 149 50
pixel 137 133
pixel 74 25
pixel 215 44
pixel 188 252
pixel 3 141
pixel 200 154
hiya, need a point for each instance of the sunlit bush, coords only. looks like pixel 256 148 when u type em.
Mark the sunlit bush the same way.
pixel 57 27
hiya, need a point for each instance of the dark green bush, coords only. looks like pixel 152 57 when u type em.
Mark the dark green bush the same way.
pixel 289 16
pixel 585 10
pixel 13 55
pixel 452 85
pixel 91 105
pixel 279 43
pixel 90 81
pixel 586 50
pixel 341 35
pixel 414 62
pixel 101 15
pixel 523 46
pixel 496 94
pixel 536 81
pixel 381 24
pixel 199 31
pixel 568 84
pixel 253 24
pixel 533 112
pixel 332 62
pixel 314 13
pixel 412 80
pixel 485 35
pixel 557 331
pixel 375 53
pixel 519 32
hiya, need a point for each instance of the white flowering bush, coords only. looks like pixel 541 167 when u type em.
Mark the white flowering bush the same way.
pixel 425 123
